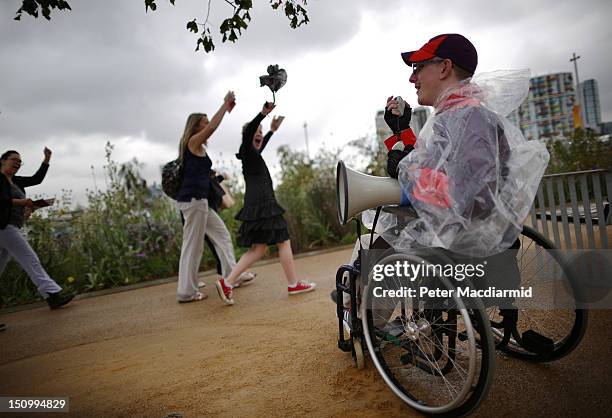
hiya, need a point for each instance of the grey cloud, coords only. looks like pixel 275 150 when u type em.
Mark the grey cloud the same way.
pixel 94 70
pixel 106 67
pixel 107 70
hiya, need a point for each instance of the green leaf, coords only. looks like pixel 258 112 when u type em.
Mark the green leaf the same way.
pixel 208 44
pixel 289 9
pixel 150 4
pixel 192 26
pixel 225 26
pixel 242 24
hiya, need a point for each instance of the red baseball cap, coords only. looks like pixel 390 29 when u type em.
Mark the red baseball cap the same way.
pixel 453 46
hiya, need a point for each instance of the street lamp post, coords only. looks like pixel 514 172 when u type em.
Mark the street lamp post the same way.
pixel 579 97
pixel 306 139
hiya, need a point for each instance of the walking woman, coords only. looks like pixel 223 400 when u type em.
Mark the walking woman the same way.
pixel 192 201
pixel 14 209
pixel 262 217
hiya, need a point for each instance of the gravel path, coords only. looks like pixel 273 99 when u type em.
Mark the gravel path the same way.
pixel 140 354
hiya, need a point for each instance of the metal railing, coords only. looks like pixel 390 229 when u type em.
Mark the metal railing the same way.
pixel 573 209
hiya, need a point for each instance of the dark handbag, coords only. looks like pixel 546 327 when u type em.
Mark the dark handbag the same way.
pixel 215 194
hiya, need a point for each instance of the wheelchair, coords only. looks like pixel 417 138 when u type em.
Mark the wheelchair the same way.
pixel 439 358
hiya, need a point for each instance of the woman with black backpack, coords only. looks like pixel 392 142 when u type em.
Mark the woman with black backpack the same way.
pixel 192 201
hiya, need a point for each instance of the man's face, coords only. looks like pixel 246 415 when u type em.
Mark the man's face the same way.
pixel 426 79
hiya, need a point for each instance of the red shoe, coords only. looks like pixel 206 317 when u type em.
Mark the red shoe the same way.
pixel 225 292
pixel 301 287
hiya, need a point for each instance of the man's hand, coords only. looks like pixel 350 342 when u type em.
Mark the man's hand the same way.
pixel 393 159
pixel 396 120
pixel 47 153
pixel 267 108
pixel 276 123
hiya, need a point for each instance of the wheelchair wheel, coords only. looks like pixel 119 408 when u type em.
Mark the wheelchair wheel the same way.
pixel 561 329
pixel 437 360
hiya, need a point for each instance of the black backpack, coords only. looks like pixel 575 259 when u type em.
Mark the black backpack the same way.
pixel 172 177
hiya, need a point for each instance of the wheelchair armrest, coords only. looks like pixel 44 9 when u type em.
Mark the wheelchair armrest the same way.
pixel 403 214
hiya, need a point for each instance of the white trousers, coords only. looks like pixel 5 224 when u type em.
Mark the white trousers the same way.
pixel 14 244
pixel 200 221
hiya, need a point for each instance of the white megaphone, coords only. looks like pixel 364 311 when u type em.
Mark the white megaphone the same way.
pixel 356 192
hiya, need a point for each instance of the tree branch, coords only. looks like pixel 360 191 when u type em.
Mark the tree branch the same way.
pixel 231 28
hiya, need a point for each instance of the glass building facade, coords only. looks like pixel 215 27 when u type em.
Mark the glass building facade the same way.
pixel 589 95
pixel 547 111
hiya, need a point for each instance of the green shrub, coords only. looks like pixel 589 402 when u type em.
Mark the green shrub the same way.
pixel 130 232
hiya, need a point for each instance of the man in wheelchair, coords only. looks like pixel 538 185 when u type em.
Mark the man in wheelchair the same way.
pixel 467 185
pixel 463 189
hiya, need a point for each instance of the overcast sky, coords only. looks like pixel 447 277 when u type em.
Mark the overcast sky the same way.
pixel 106 71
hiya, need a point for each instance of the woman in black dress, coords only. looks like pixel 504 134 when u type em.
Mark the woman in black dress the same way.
pixel 262 217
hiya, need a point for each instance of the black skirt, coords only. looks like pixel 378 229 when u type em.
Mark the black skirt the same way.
pixel 262 223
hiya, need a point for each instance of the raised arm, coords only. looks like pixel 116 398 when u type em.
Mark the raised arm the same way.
pixel 266 138
pixel 201 137
pixel 249 131
pixel 40 174
pixel 274 125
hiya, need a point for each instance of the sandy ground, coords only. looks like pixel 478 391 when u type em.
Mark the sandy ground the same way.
pixel 140 354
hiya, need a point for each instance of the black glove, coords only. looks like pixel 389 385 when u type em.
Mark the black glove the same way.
pixel 393 159
pixel 398 123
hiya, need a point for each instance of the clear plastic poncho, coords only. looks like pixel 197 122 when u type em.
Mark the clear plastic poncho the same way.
pixel 472 176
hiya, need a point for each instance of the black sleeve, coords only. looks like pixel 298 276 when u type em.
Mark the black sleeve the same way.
pixel 393 159
pixel 37 178
pixel 249 131
pixel 6 203
pixel 266 138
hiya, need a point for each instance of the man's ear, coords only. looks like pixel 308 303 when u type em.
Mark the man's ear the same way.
pixel 446 69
